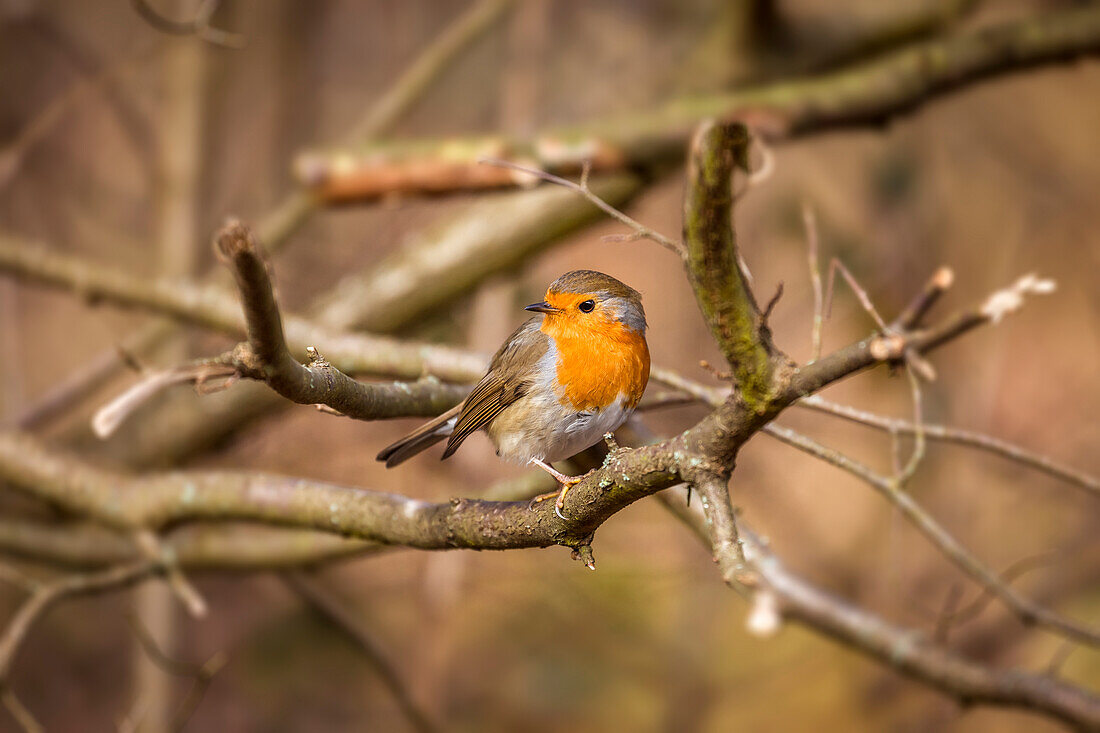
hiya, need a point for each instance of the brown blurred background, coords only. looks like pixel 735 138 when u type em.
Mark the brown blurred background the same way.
pixel 996 181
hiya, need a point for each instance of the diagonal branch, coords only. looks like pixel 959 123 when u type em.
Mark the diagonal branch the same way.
pixel 1026 610
pixel 42 599
pixel 968 438
pixel 907 650
pixel 332 610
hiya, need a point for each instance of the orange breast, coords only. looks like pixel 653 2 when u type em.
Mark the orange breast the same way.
pixel 596 365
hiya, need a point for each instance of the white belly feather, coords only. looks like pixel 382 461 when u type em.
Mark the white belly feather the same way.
pixel 540 426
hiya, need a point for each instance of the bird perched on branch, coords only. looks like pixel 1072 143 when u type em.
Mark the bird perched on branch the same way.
pixel 558 384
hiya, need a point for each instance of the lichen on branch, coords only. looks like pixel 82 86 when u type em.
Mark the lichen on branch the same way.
pixel 714 264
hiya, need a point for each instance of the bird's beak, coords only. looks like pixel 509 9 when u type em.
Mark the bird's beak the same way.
pixel 542 307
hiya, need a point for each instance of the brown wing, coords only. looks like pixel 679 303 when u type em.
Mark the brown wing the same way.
pixel 507 380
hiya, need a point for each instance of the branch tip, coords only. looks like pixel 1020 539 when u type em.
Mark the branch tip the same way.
pixel 764 619
pixel 1011 299
pixel 234 238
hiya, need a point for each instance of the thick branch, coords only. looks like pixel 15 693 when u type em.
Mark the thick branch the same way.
pixel 221 546
pixel 160 500
pixel 867 92
pixel 713 262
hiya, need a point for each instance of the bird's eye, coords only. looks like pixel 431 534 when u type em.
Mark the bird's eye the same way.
pixel 587 306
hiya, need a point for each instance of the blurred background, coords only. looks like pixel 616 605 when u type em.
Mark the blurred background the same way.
pixel 127 146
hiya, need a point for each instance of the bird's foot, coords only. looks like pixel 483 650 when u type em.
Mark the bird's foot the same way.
pixel 567 482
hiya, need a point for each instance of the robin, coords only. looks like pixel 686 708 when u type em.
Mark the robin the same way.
pixel 559 383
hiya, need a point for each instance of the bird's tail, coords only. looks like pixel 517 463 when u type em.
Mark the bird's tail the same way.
pixel 422 438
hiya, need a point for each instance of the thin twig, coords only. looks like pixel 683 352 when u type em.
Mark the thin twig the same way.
pixel 154 550
pixel 902 478
pixel 19 711
pixel 108 418
pixel 336 614
pixel 974 608
pixel 42 599
pixel 809 223
pixel 968 438
pixel 950 605
pixel 640 230
pixel 199 26
pixel 201 674
pixel 1058 660
pixel 914 313
pixel 1026 610
pixel 864 299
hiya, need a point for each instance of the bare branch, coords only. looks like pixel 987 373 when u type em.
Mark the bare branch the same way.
pixel 46 596
pixel 809 223
pixel 713 263
pixel 266 357
pixel 107 419
pixel 863 93
pixel 722 521
pixel 640 230
pixel 892 346
pixel 199 26
pixel 334 612
pixel 217 309
pixel 1027 611
pixel 222 546
pixel 906 650
pixel 861 294
pixel 914 313
pixel 962 437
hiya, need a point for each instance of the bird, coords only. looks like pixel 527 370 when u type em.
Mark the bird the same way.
pixel 564 379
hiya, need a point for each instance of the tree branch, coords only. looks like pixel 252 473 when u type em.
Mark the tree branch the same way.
pixel 224 546
pixel 907 650
pixel 280 222
pixel 331 609
pixel 714 266
pixel 969 438
pixel 265 356
pixel 863 93
pixel 47 595
pixel 215 309
pixel 1027 611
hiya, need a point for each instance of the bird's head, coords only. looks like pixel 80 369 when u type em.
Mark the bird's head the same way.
pixel 589 302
